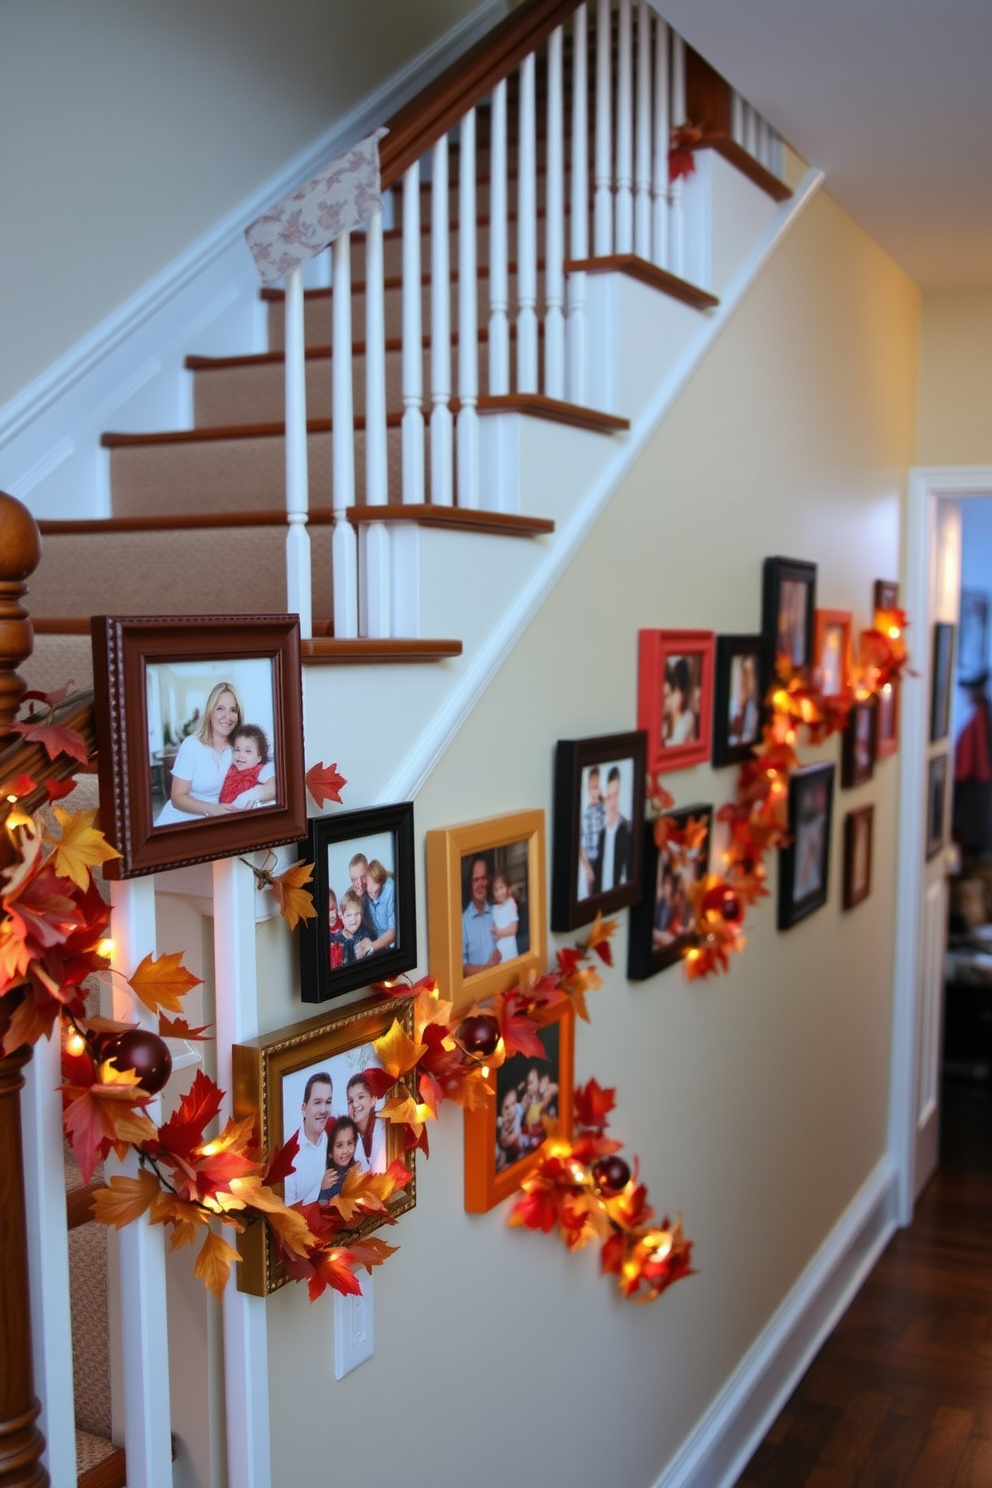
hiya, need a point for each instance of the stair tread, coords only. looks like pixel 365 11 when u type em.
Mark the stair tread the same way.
pixel 648 273
pixel 557 410
pixel 362 649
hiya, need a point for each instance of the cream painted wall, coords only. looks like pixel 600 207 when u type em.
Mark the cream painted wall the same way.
pixel 756 1102
pixel 130 127
pixel 955 395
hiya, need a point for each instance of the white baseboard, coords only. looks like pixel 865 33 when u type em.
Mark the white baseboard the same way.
pixel 128 371
pixel 718 1449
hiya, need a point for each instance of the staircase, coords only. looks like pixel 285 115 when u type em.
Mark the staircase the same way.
pixel 434 430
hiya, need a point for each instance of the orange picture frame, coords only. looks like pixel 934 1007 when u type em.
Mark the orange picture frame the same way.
pixel 832 650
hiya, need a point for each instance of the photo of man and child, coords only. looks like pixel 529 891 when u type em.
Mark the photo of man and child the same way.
pixel 332 1145
pixel 495 921
pixel 674 915
pixel 606 832
pixel 210 739
pixel 361 907
pixel 681 699
pixel 527 1107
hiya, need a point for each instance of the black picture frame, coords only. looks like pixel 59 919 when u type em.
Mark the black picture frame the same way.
pixel 936 804
pixel 139 661
pixel 732 745
pixel 576 760
pixel 859 744
pixel 804 863
pixel 376 834
pixel 859 830
pixel 788 617
pixel 648 953
pixel 940 689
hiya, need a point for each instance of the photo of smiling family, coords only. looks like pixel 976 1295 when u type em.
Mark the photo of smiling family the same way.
pixel 333 1114
pixel 495 915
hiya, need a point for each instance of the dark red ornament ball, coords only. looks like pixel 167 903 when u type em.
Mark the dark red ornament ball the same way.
pixel 731 908
pixel 611 1175
pixel 144 1052
pixel 478 1033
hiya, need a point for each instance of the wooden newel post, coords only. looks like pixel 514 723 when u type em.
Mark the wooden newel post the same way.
pixel 21 1443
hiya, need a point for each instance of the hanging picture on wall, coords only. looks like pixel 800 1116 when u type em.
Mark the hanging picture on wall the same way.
pixel 199 722
pixel 737 697
pixel 940 695
pixel 885 595
pixel 936 803
pixel 804 863
pixel 532 1103
pixel 858 828
pixel 859 743
pixel 363 889
pixel 973 635
pixel 788 604
pixel 887 729
pixel 486 892
pixel 599 806
pixel 307 1080
pixel 832 651
pixel 675 696
pixel 663 923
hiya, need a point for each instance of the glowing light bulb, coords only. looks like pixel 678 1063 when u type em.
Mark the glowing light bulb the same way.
pixel 12 799
pixel 485 1072
pixel 75 1043
pixel 894 632
pixel 106 947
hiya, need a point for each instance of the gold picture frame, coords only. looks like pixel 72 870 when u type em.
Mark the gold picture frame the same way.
pixel 271 1073
pixel 513 848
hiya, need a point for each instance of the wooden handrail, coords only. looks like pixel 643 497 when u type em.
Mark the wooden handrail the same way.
pixel 428 116
pixel 21 757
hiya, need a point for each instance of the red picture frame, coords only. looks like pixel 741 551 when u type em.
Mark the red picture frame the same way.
pixel 675 696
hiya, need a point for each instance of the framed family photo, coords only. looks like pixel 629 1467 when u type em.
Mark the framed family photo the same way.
pixel 885 594
pixel 599 807
pixel 804 864
pixel 738 713
pixel 832 651
pixel 486 892
pixel 663 923
pixel 199 720
pixel 788 605
pixel 858 830
pixel 363 891
pixel 307 1080
pixel 859 744
pixel 531 1104
pixel 675 696
pixel 940 684
pixel 936 803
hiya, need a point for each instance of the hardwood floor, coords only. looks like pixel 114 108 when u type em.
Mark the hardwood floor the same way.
pixel 900 1396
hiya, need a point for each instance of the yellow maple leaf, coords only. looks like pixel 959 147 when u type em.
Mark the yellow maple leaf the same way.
pixel 429 1008
pixel 169 1208
pixel 289 1225
pixel 82 846
pixel 364 1193
pixel 405 1110
pixel 162 983
pixel 370 1252
pixel 125 1199
pixel 213 1264
pixel 601 930
pixel 294 901
pixel 397 1051
pixel 184 1232
pixel 237 1137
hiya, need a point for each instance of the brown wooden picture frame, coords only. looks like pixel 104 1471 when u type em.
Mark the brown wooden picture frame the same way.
pixel 206 649
pixel 828 621
pixel 266 1068
pixel 859 744
pixel 451 851
pixel 486 1183
pixel 859 829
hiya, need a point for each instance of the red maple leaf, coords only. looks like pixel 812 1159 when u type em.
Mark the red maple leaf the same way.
pixel 185 1127
pixel 537 1209
pixel 282 1162
pixel 517 1026
pixel 593 1104
pixel 56 789
pixel 333 1268
pixel 324 783
pixel 54 738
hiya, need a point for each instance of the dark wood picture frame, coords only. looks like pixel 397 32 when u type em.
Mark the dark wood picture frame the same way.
pixel 797 643
pixel 885 594
pixel 804 863
pixel 486 1183
pixel 320 979
pixel 828 621
pixel 735 735
pixel 859 744
pixel 940 681
pixel 859 830
pixel 124 647
pixel 576 760
pixel 937 772
pixel 658 652
pixel 646 954
pixel 261 1068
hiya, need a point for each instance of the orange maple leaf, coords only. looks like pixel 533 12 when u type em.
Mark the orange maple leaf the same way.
pixel 332 1268
pixel 370 1251
pixel 294 901
pixel 81 847
pixel 162 983
pixel 213 1264
pixel 125 1199
pixel 324 783
pixel 397 1052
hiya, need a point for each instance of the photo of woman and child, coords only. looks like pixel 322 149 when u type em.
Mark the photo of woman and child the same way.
pixel 209 730
pixel 330 1145
pixel 681 699
pixel 361 902
pixel 494 907
pixel 527 1101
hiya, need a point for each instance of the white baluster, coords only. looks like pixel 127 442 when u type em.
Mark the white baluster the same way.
pixel 376 536
pixel 345 546
pixel 642 169
pixel 662 139
pixel 527 232
pixel 761 140
pixel 736 117
pixel 413 350
pixel 676 224
pixel 246 1369
pixel 603 208
pixel 624 201
pixel 467 427
pixel 776 153
pixel 499 283
pixel 554 238
pixel 750 129
pixel 144 1313
pixel 298 583
pixel 442 424
pixel 579 226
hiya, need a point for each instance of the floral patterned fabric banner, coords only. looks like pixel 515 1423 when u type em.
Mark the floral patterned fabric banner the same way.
pixel 342 196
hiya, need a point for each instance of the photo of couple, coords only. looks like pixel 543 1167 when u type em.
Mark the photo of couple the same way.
pixel 361 899
pixel 495 921
pixel 527 1108
pixel 210 739
pixel 606 834
pixel 331 1145
pixel 681 699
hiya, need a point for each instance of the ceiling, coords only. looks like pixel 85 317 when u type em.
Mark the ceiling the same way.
pixel 892 98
